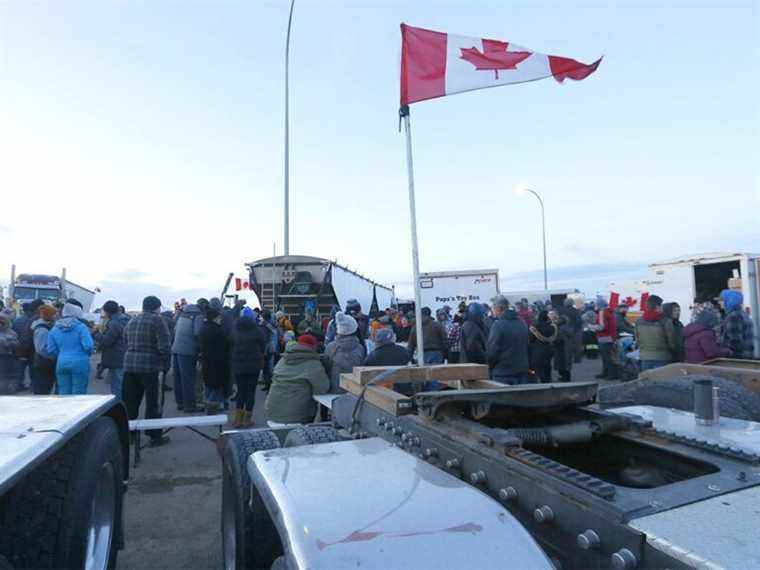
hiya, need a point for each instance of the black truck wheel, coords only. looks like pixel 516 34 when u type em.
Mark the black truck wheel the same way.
pixel 735 400
pixel 310 435
pixel 249 537
pixel 66 513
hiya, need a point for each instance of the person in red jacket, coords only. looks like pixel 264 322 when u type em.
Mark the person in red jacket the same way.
pixel 700 342
pixel 606 334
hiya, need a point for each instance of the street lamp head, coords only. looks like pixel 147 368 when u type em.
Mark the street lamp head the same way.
pixel 521 189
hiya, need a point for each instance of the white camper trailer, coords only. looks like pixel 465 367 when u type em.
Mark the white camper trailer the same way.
pixel 696 279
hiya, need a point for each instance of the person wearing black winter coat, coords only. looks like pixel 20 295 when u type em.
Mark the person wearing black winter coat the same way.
pixel 543 336
pixel 249 341
pixel 387 353
pixel 215 359
pixel 507 347
pixel 113 345
pixel 564 347
pixel 474 336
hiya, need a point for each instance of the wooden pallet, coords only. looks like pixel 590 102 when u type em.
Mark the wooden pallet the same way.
pixel 457 376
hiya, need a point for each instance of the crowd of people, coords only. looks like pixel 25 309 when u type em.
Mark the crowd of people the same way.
pixel 720 328
pixel 51 344
pixel 236 348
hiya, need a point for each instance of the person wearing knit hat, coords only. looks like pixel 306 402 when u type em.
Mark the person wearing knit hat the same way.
pixel 214 342
pixel 43 364
pixel 387 352
pixel 345 324
pixel 151 304
pixel 249 344
pixel 737 327
pixel 297 378
pixel 112 346
pixel 187 330
pixel 70 342
pixel 47 312
pixel 22 324
pixel 700 340
pixel 308 340
pixel 346 351
pixel 283 322
pixel 148 353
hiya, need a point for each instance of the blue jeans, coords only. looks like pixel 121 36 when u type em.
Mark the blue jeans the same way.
pixel 116 376
pixel 214 395
pixel 184 379
pixel 72 381
pixel 432 357
pixel 651 364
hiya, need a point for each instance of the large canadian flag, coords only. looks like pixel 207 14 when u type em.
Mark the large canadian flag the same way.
pixel 434 64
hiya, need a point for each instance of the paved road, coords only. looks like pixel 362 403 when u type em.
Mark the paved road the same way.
pixel 173 506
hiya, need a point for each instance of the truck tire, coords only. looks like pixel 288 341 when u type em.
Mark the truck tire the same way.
pixel 249 537
pixel 735 400
pixel 310 435
pixel 66 513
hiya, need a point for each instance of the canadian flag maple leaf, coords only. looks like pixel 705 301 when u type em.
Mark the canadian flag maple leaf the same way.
pixel 630 301
pixel 494 56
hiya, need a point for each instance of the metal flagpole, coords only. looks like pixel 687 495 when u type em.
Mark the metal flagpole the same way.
pixel 404 113
pixel 286 248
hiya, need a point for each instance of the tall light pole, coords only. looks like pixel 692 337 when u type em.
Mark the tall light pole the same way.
pixel 286 241
pixel 523 190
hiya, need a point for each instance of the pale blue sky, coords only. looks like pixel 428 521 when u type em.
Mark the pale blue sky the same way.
pixel 147 137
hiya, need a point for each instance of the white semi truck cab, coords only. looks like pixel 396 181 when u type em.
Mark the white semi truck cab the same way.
pixel 28 287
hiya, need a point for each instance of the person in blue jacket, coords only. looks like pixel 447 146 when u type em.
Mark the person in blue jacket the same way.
pixel 71 343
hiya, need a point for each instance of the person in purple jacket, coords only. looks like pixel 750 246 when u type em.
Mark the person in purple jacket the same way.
pixel 700 342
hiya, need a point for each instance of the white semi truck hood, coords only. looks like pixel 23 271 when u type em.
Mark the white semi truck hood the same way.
pixel 33 427
pixel 367 504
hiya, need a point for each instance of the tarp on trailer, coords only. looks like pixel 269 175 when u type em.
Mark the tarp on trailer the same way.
pixel 348 285
pixel 384 297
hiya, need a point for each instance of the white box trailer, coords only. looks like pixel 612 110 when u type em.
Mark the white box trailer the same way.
pixel 453 287
pixel 700 278
pixel 81 294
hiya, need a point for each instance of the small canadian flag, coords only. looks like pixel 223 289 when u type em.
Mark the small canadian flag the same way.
pixel 435 64
pixel 241 284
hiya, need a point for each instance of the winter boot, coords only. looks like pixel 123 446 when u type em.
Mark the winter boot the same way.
pixel 247 419
pixel 236 418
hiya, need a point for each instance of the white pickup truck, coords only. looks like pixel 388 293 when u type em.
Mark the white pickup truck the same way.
pixel 64 463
